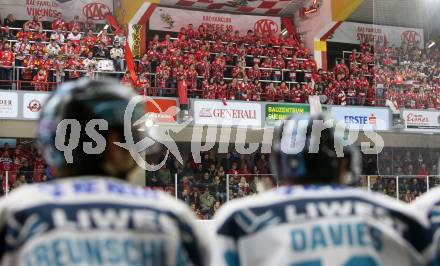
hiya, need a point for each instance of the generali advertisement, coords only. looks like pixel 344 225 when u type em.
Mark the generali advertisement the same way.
pixel 171 19
pixel 426 121
pixel 365 119
pixel 32 104
pixel 49 9
pixel 356 33
pixel 215 113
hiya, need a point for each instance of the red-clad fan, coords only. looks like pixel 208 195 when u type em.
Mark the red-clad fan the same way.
pixel 39 166
pixel 191 77
pixel 7 58
pixel 74 64
pixel 90 39
pixel 254 72
pixel 270 92
pixel 68 49
pixel 144 64
pixel 222 90
pixel 218 47
pixel 28 71
pixel 25 32
pixel 238 71
pixel 250 37
pixel 182 33
pixel 283 92
pixel 218 67
pixel 59 23
pixel 144 84
pixel 104 38
pixel 362 90
pixel 47 63
pixel 204 68
pixel 266 69
pixel 293 65
pixel 40 36
pixel 341 70
pixel 40 80
pixel 284 52
pixel 243 90
pixel 311 64
pixel 126 80
pixel 154 42
pixel 76 24
pixel 163 72
pixel 82 49
pixel 354 56
pixel 255 90
pixel 371 95
pixel 34 24
pixel 233 89
pixel 6 161
pixel 211 90
pixel 279 65
pixel 190 31
pixel 188 60
pixel 75 37
pixel 166 43
pixel 296 94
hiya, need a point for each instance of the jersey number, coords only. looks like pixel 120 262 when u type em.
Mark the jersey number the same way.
pixel 354 261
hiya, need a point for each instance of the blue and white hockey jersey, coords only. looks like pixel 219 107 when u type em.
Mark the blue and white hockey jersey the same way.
pixel 429 205
pixel 97 221
pixel 314 226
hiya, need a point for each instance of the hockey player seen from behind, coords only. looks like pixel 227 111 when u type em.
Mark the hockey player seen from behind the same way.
pixel 90 215
pixel 313 219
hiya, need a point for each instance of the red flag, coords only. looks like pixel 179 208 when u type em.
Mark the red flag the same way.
pixel 182 90
pixel 130 63
pixel 112 21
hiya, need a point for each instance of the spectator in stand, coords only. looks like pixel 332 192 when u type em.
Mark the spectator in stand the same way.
pixel 119 38
pixel 117 55
pixel 76 24
pixel 34 24
pixel 53 49
pixel 207 203
pixel 101 51
pixel 75 37
pixel 7 62
pixel 59 23
pixel 58 36
pixel 40 80
pixel 9 21
pixel 104 38
pixel 90 25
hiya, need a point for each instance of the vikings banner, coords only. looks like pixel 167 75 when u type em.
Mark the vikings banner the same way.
pixel 356 33
pixel 49 9
pixel 171 19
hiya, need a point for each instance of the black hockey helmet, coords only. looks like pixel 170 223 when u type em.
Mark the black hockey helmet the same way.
pixel 301 152
pixel 83 101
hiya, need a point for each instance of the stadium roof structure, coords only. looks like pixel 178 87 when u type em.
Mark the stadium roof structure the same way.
pixel 403 13
pixel 252 7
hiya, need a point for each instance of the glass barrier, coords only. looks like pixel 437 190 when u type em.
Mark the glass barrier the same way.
pixel 205 193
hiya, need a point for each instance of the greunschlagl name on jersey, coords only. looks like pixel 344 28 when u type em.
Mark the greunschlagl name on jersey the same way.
pixel 320 226
pixel 93 222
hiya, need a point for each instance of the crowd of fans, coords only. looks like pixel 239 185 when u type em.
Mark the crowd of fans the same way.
pixel 416 168
pixel 22 164
pixel 204 186
pixel 66 51
pixel 407 75
pixel 215 64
